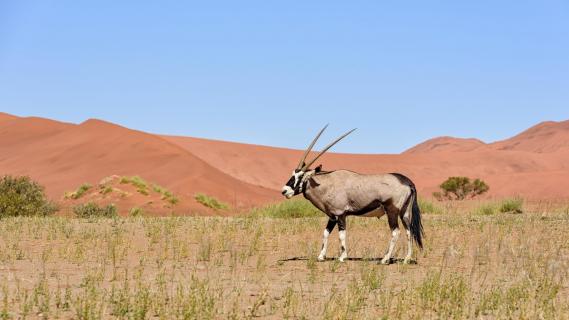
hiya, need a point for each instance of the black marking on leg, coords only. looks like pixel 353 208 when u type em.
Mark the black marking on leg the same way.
pixel 392 216
pixel 342 223
pixel 331 224
pixel 343 249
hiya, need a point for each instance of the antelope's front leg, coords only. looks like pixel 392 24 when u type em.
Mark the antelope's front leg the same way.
pixel 329 227
pixel 342 233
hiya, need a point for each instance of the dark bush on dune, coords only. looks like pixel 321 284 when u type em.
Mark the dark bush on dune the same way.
pixel 93 210
pixel 460 188
pixel 21 196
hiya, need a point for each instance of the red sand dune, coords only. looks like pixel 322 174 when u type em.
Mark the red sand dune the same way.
pixel 62 156
pixel 516 166
pixel 446 144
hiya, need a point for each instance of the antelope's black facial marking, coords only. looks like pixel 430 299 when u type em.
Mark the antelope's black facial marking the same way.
pixel 293 185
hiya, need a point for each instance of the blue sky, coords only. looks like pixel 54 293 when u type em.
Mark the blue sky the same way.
pixel 274 72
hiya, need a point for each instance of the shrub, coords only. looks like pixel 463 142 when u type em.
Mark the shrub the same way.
pixel 460 188
pixel 79 192
pixel 210 202
pixel 514 205
pixel 93 210
pixel 296 208
pixel 21 196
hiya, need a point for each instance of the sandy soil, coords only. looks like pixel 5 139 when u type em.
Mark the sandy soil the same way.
pixel 491 267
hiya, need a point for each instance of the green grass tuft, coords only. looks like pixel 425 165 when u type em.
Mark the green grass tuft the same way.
pixel 106 189
pixel 514 205
pixel 486 209
pixel 295 208
pixel 210 202
pixel 136 212
pixel 79 192
pixel 429 207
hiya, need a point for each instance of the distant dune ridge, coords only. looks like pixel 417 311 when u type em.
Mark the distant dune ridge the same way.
pixel 61 156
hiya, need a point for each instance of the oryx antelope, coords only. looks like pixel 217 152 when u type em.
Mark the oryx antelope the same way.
pixel 343 193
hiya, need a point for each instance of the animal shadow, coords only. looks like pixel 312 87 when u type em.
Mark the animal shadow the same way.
pixel 391 261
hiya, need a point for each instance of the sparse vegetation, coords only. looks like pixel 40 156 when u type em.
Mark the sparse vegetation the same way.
pixel 140 184
pixel 93 210
pixel 136 212
pixel 514 205
pixel 79 192
pixel 460 188
pixel 429 207
pixel 231 268
pixel 486 209
pixel 21 196
pixel 106 189
pixel 294 208
pixel 210 202
pixel 143 188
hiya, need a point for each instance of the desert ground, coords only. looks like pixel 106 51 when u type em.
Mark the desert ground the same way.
pixel 497 266
pixel 167 255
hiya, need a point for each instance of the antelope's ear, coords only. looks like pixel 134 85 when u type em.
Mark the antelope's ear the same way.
pixel 318 169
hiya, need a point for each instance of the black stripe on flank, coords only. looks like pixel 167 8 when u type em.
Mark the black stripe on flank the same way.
pixel 375 204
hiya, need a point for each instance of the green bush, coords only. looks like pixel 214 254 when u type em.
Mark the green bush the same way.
pixel 93 210
pixel 295 208
pixel 514 205
pixel 460 188
pixel 21 196
pixel 210 202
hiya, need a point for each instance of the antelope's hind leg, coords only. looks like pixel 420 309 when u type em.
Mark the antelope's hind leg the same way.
pixel 392 216
pixel 409 257
pixel 342 234
pixel 329 227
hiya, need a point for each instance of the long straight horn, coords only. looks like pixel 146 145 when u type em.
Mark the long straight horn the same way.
pixel 326 149
pixel 310 147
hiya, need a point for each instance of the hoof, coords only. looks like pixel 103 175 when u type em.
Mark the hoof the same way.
pixel 385 261
pixel 409 261
pixel 321 258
